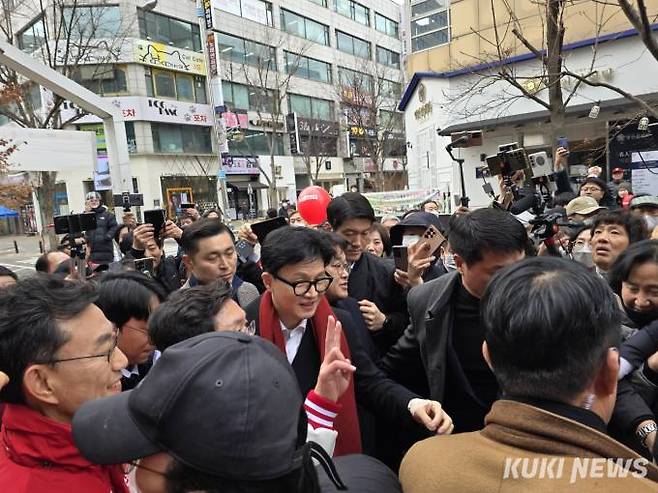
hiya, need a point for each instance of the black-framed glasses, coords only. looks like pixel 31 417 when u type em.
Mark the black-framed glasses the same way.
pixel 300 288
pixel 107 354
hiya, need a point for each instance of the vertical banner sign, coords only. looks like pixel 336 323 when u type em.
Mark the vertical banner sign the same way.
pixel 207 13
pixel 293 132
pixel 212 55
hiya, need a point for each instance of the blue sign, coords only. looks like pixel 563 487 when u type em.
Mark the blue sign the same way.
pixel 221 174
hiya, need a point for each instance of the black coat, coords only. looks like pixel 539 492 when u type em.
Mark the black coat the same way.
pixel 371 278
pixel 373 390
pixel 423 353
pixel 100 241
pixel 167 274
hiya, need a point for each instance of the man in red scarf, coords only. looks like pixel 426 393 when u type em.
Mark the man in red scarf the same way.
pixel 293 314
pixel 59 352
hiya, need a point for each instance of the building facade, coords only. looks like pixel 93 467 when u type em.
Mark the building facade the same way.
pixel 275 59
pixel 469 74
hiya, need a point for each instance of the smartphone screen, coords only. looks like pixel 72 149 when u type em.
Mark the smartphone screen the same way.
pixel 156 217
pixel 563 142
pixel 263 228
pixel 244 249
pixel 400 257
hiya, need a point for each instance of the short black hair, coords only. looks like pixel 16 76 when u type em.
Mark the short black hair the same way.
pixel 384 235
pixel 271 213
pixel 5 272
pixel 482 231
pixel 599 183
pixel 562 199
pixel 548 324
pixel 636 254
pixel 41 264
pixel 187 313
pixel 217 211
pixel 126 295
pixel 350 205
pixel 202 229
pixel 30 313
pixel 425 202
pixel 336 240
pixel 635 227
pixel 290 245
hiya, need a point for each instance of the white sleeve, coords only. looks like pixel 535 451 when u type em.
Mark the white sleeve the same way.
pixel 323 437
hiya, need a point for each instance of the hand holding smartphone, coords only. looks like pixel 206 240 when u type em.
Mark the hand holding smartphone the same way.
pixel 157 218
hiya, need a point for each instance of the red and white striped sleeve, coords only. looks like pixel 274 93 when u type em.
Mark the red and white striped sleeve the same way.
pixel 320 412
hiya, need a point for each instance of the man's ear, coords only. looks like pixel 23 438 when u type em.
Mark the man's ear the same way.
pixel 605 382
pixel 486 355
pixel 187 261
pixel 37 384
pixel 459 262
pixel 267 280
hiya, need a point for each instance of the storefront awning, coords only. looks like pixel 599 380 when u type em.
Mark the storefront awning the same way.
pixel 244 185
pixel 614 106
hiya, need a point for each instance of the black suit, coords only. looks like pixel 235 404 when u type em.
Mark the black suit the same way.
pixel 425 349
pixel 373 390
pixel 371 278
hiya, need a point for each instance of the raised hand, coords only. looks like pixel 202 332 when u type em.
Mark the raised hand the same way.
pixel 336 370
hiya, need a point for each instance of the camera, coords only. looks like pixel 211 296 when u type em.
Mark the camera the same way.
pixel 74 224
pixel 540 164
pixel 128 200
pixel 510 158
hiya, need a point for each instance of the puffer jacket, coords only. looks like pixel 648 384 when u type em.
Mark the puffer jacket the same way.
pixel 100 240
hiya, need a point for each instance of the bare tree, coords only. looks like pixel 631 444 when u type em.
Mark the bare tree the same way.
pixel 317 142
pixel 268 85
pixel 551 86
pixel 368 101
pixel 78 40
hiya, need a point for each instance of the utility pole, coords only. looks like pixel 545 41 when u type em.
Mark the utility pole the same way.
pixel 206 16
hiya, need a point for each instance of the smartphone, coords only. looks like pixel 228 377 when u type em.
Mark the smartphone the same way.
pixel 188 206
pixel 157 218
pixel 563 142
pixel 433 237
pixel 400 257
pixel 145 266
pixel 244 249
pixel 263 228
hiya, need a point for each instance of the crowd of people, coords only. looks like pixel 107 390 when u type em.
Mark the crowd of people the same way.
pixel 498 359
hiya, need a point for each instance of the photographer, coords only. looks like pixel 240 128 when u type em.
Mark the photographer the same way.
pixel 145 244
pixel 100 240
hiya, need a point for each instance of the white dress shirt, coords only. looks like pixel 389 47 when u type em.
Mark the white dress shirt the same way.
pixel 293 338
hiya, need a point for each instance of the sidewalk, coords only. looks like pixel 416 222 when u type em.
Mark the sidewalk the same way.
pixel 26 244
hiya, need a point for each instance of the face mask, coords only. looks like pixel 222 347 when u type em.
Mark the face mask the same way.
pixel 408 240
pixel 449 262
pixel 588 222
pixel 651 222
pixel 583 255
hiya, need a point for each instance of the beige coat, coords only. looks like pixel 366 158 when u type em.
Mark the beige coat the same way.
pixel 526 449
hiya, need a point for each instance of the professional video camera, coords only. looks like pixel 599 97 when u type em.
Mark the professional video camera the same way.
pixel 74 225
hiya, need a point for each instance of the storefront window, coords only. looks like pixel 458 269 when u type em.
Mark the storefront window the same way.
pixel 178 139
pixel 102 79
pixel 174 32
pixel 91 22
pixel 175 85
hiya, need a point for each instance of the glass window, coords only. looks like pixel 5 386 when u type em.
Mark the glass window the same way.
pixel 344 7
pixel 352 45
pixel 178 139
pixel 101 79
pixel 184 87
pixel 300 105
pixel 353 10
pixel 354 79
pixel 391 120
pixel 241 51
pixel 429 40
pixel 130 136
pixel 322 109
pixel 236 96
pixel 427 6
pixel 390 89
pixel 164 83
pixel 200 90
pixel 430 23
pixel 256 142
pixel 33 36
pixel 386 25
pixel 308 68
pixel 85 23
pixel 388 57
pixel 164 29
pixel 308 107
pixel 322 3
pixel 305 28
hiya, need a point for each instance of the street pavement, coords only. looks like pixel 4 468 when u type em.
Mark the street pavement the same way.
pixel 22 263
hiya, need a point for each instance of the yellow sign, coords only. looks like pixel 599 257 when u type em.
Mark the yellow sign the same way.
pixel 164 56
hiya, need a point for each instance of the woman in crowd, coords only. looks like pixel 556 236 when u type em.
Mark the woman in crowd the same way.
pixel 380 241
pixel 624 195
pixel 579 246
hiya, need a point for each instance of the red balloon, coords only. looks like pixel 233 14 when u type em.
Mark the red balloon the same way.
pixel 312 204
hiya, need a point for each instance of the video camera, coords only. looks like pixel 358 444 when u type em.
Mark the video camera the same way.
pixel 510 158
pixel 128 200
pixel 74 224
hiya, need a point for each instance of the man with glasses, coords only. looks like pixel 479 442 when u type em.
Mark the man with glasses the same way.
pixel 59 352
pixel 293 313
pixel 127 300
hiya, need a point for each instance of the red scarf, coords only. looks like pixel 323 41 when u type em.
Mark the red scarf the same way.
pixel 347 421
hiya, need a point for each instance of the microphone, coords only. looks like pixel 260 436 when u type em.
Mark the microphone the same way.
pixel 461 140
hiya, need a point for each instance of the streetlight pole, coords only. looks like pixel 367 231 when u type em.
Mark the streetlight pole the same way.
pixel 206 16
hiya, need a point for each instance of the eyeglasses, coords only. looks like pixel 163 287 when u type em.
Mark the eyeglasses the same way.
pixel 106 354
pixel 300 288
pixel 591 189
pixel 341 266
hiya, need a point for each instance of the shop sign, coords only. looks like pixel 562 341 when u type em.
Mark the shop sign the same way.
pixel 212 54
pixel 207 13
pixel 358 132
pixel 240 165
pixel 168 57
pixel 318 127
pixel 139 108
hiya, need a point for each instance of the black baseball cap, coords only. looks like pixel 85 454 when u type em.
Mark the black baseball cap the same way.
pixel 224 403
pixel 417 219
